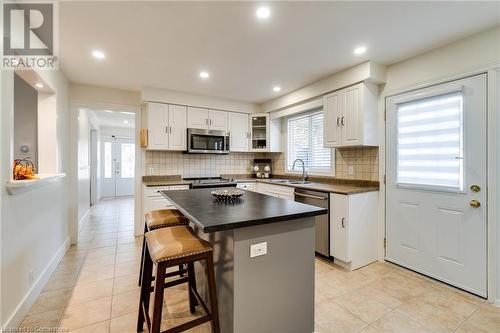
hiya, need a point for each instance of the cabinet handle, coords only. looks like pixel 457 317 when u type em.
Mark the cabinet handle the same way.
pixel 210 123
pixel 166 129
pixel 343 224
pixel 206 121
pixel 170 129
pixel 338 121
pixel 343 122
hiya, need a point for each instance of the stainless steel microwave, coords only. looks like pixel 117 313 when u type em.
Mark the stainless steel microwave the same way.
pixel 205 141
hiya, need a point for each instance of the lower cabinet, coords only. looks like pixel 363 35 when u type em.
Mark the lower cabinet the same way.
pixel 278 191
pixel 250 186
pixel 353 229
pixel 154 200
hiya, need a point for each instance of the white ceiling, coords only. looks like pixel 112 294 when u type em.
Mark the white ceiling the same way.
pixel 107 118
pixel 166 44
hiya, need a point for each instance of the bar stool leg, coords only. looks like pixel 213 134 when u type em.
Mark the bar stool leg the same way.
pixel 212 289
pixel 193 302
pixel 143 251
pixel 146 273
pixel 158 297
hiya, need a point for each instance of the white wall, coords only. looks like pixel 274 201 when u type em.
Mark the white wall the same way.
pixel 181 98
pixel 118 131
pixel 25 120
pixel 93 94
pixel 84 126
pixel 34 224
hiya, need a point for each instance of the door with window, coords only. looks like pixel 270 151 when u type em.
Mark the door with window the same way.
pixel 118 167
pixel 436 182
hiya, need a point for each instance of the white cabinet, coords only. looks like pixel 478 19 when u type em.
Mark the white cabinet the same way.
pixel 353 229
pixel 217 120
pixel 278 191
pixel 351 116
pixel 154 200
pixel 166 126
pixel 239 136
pixel 206 119
pixel 247 186
pixel 265 134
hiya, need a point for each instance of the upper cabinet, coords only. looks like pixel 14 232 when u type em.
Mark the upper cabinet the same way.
pixel 351 116
pixel 239 135
pixel 206 119
pixel 166 126
pixel 265 134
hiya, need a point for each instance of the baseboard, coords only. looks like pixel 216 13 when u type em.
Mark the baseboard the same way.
pixel 25 305
pixel 496 303
pixel 81 222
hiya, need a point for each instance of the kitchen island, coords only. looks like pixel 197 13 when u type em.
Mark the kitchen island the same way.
pixel 272 291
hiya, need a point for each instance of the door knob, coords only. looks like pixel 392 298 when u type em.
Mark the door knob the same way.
pixel 475 188
pixel 474 203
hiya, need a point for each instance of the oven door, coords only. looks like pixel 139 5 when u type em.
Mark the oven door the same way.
pixel 208 141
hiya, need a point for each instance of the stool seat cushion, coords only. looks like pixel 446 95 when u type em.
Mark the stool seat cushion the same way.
pixel 165 218
pixel 175 242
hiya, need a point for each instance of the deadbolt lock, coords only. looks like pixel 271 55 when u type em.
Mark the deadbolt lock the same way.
pixel 475 188
pixel 475 203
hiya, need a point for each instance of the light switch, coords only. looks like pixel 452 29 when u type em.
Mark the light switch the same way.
pixel 259 249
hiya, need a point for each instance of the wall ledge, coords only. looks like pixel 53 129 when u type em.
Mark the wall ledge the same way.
pixel 14 187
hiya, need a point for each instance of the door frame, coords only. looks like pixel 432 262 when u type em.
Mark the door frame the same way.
pixel 493 163
pixel 140 160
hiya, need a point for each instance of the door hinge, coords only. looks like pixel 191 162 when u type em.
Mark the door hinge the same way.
pixel 385 243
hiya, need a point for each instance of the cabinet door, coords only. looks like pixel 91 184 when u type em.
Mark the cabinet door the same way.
pixel 339 227
pixel 238 131
pixel 332 131
pixel 177 127
pixel 352 120
pixel 197 118
pixel 157 126
pixel 217 120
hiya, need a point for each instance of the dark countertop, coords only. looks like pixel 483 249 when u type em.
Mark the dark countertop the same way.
pixel 166 182
pixel 252 209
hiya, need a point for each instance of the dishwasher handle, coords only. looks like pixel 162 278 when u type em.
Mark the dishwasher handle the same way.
pixel 311 196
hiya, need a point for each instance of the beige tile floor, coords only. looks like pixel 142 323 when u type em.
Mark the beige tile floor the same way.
pixel 94 290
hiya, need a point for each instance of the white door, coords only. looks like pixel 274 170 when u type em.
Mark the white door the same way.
pixel 177 127
pixel 238 131
pixel 118 167
pixel 157 126
pixel 332 105
pixel 197 118
pixel 436 178
pixel 217 120
pixel 350 121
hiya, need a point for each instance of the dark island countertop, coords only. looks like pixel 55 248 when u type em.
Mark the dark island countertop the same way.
pixel 252 209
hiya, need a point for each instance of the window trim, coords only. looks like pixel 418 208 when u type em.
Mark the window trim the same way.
pixel 331 172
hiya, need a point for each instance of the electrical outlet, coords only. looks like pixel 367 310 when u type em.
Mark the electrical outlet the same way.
pixel 151 171
pixel 259 249
pixel 31 277
pixel 350 170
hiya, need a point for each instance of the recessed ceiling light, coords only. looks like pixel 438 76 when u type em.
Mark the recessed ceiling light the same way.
pixel 204 75
pixel 127 112
pixel 38 85
pixel 125 121
pixel 108 111
pixel 98 54
pixel 276 88
pixel 360 50
pixel 263 13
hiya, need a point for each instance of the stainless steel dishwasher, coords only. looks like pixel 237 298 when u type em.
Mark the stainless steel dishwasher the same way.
pixel 322 222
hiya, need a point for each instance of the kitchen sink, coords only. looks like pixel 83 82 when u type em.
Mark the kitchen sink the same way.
pixel 288 181
pixel 299 182
pixel 279 181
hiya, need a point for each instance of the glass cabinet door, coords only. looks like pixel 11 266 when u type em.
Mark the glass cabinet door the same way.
pixel 259 132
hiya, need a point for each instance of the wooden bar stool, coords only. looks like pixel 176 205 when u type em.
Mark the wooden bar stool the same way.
pixel 161 218
pixel 168 247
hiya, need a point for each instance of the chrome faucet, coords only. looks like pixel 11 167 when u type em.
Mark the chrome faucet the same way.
pixel 304 174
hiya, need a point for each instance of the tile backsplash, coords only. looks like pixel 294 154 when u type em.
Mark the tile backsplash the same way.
pixel 363 161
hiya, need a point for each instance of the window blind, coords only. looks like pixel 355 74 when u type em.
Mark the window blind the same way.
pixel 305 141
pixel 430 141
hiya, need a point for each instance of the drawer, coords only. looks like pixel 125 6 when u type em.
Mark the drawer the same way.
pixel 179 187
pixel 155 190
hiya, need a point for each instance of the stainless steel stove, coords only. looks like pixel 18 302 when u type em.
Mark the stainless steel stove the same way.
pixel 211 182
